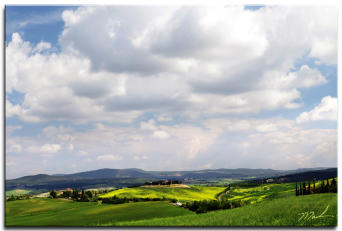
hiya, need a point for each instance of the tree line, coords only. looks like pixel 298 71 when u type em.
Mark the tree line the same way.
pixel 314 187
pixel 120 200
pixel 20 197
pixel 77 195
pixel 89 196
pixel 210 205
pixel 163 182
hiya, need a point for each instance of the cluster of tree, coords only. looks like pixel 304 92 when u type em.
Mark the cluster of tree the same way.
pixel 133 186
pixel 120 200
pixel 87 196
pixel 106 190
pixel 115 200
pixel 323 186
pixel 210 205
pixel 164 182
pixel 75 194
pixel 21 197
pixel 53 194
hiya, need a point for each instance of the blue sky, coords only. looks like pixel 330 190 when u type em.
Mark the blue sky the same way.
pixel 35 23
pixel 216 87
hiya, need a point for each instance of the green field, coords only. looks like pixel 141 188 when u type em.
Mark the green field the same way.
pixel 222 182
pixel 17 192
pixel 260 193
pixel 268 205
pixel 56 212
pixel 278 212
pixel 180 194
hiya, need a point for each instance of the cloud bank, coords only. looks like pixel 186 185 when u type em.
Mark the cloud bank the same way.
pixel 187 61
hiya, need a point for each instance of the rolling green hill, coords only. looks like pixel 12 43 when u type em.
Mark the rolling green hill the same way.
pixel 310 210
pixel 56 212
pixel 270 205
pixel 181 194
pixel 260 193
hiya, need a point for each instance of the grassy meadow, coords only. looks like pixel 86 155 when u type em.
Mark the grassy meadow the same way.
pixel 278 212
pixel 181 194
pixel 267 205
pixel 58 212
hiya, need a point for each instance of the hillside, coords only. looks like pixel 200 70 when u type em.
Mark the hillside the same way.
pixel 48 212
pixel 113 173
pixel 132 177
pixel 180 194
pixel 259 193
pixel 279 212
pixel 301 176
pixel 263 205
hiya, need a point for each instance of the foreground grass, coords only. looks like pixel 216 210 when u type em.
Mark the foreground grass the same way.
pixel 55 212
pixel 180 194
pixel 277 212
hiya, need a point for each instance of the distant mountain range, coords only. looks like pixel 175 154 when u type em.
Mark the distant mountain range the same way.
pixel 133 176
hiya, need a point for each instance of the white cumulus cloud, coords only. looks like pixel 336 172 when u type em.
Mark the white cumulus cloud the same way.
pixel 50 148
pixel 160 134
pixel 12 110
pixel 326 110
pixel 170 60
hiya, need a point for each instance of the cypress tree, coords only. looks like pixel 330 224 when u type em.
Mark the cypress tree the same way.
pixel 75 194
pixel 334 185
pixel 53 194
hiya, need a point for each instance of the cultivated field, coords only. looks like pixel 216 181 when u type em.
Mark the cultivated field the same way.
pixel 260 193
pixel 180 194
pixel 264 205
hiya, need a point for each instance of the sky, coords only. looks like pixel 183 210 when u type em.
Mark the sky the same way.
pixel 170 88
